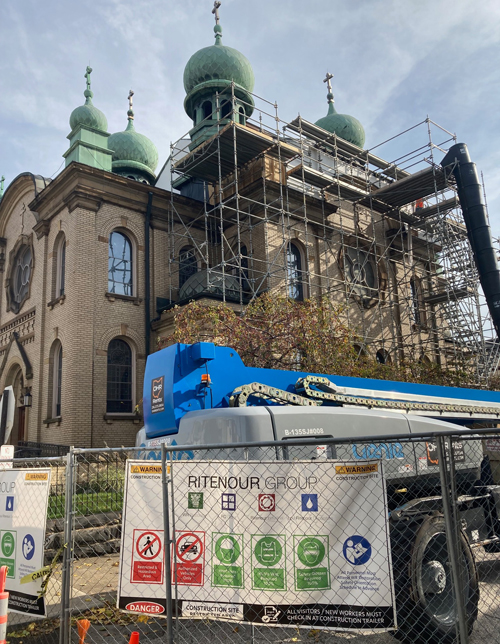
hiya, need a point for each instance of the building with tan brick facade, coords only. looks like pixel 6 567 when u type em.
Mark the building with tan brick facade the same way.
pixel 92 262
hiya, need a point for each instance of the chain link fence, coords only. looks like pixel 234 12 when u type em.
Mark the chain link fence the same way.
pixel 441 499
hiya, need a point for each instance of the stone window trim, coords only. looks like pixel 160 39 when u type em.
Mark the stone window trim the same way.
pixel 53 421
pixel 135 418
pixel 125 298
pixel 23 240
pixel 56 301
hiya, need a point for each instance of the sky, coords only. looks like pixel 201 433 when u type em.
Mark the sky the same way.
pixel 395 62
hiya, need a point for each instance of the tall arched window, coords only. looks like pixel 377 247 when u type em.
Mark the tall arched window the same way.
pixel 187 264
pixel 244 269
pixel 241 112
pixel 294 272
pixel 206 110
pixel 60 266
pixel 226 109
pixel 120 278
pixel 57 365
pixel 119 378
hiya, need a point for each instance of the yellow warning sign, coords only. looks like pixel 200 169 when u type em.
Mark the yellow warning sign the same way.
pixel 36 476
pixel 356 469
pixel 147 469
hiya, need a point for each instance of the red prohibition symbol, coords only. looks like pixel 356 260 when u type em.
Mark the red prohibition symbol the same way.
pixel 148 545
pixel 189 547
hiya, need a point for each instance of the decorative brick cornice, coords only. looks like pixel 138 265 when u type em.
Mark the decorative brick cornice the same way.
pixel 42 228
pixel 81 199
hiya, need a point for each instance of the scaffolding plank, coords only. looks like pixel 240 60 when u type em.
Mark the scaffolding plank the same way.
pixel 204 161
pixel 311 130
pixel 451 295
pixel 416 186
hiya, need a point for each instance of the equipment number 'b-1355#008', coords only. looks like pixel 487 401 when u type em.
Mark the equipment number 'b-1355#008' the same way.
pixel 198 395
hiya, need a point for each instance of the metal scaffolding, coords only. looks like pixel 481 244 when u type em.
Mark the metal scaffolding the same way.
pixel 293 209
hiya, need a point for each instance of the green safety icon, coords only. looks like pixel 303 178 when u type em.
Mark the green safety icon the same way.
pixel 311 551
pixel 8 544
pixel 227 549
pixel 268 551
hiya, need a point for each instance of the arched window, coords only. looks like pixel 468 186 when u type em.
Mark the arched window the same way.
pixel 206 109
pixel 294 272
pixel 120 280
pixel 21 276
pixel 383 357
pixel 359 351
pixel 418 307
pixel 244 269
pixel 187 264
pixel 60 266
pixel 226 109
pixel 241 112
pixel 57 365
pixel 119 378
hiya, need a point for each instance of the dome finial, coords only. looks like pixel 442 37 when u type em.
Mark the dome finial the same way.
pixel 2 180
pixel 130 112
pixel 88 92
pixel 328 81
pixel 217 28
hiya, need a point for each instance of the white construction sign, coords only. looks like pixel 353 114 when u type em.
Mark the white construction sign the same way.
pixel 279 543
pixel 24 495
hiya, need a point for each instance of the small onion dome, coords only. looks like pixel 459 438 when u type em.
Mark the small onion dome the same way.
pixel 88 115
pixel 133 152
pixel 344 126
pixel 215 67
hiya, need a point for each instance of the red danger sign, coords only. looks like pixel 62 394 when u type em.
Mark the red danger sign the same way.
pixel 147 557
pixel 189 566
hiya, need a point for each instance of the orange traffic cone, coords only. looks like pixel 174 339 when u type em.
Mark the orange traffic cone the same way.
pixel 134 638
pixel 83 628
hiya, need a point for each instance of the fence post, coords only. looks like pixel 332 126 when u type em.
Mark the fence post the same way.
pixel 65 615
pixel 452 538
pixel 167 543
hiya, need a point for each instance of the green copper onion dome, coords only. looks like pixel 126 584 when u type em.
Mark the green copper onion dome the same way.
pixel 218 62
pixel 88 115
pixel 344 126
pixel 212 69
pixel 134 155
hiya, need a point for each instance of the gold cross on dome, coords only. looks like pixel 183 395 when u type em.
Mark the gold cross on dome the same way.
pixel 328 81
pixel 130 101
pixel 215 11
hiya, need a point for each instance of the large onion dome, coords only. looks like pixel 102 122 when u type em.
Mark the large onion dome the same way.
pixel 87 114
pixel 213 68
pixel 134 155
pixel 218 62
pixel 344 126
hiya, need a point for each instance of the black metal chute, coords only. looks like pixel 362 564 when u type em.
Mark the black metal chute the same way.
pixel 470 194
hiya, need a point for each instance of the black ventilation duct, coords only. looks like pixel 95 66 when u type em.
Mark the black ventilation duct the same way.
pixel 476 221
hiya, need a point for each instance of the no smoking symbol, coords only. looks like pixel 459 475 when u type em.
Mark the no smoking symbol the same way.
pixel 189 547
pixel 148 545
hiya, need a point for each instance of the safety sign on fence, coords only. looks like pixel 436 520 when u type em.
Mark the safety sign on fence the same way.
pixel 24 497
pixel 283 543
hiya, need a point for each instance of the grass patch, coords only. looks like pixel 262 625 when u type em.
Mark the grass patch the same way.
pixel 86 504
